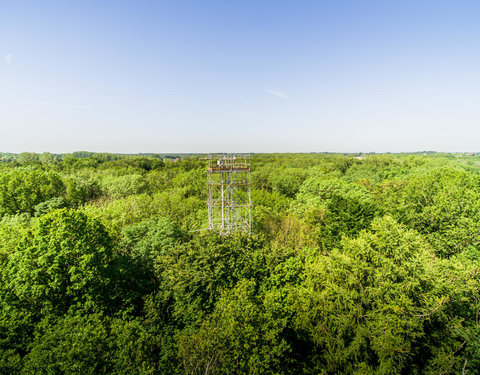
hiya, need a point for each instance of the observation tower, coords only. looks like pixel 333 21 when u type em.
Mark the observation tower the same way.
pixel 229 199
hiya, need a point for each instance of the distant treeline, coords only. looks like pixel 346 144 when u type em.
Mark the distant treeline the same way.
pixel 47 157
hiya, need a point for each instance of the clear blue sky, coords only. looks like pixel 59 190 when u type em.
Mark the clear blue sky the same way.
pixel 239 76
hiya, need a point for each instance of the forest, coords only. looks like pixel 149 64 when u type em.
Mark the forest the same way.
pixel 357 264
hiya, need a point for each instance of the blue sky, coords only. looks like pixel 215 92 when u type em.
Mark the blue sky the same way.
pixel 239 76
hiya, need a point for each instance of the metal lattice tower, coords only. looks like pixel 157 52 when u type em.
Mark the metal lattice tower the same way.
pixel 229 199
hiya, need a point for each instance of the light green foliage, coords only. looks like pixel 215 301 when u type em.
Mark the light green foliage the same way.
pixel 28 158
pixel 281 229
pixel 189 211
pixel 21 189
pixel 368 307
pixel 122 212
pixel 15 324
pixel 159 180
pixel 191 183
pixel 48 159
pixel 444 204
pixel 317 192
pixel 285 181
pixel 378 168
pixel 122 186
pixel 342 164
pixel 357 264
pixel 12 228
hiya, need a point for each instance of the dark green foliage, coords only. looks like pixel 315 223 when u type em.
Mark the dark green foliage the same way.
pixel 240 337
pixel 72 345
pixel 62 264
pixel 345 215
pixel 16 333
pixel 134 349
pixel 51 204
pixel 141 164
pixel 194 275
pixel 357 264
pixel 74 163
pixel 7 157
pixel 274 201
pixel 92 344
pixel 81 189
pixel 82 154
pixel 151 238
pixel 335 207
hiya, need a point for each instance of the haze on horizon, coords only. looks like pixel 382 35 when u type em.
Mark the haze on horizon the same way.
pixel 240 76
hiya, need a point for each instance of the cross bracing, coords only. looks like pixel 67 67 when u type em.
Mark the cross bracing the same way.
pixel 229 198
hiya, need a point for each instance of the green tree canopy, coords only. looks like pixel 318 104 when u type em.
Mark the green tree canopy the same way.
pixel 62 263
pixel 381 304
pixel 21 189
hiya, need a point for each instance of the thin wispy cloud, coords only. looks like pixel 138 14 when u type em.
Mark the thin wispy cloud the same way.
pixel 51 104
pixel 8 58
pixel 251 116
pixel 77 94
pixel 280 94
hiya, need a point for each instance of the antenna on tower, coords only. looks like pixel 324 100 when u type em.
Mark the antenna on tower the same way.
pixel 229 193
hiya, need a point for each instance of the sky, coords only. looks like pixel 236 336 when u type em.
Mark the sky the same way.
pixel 239 76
